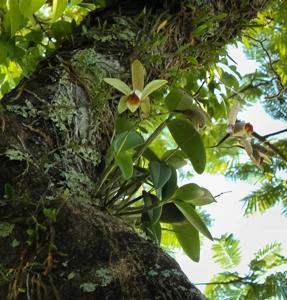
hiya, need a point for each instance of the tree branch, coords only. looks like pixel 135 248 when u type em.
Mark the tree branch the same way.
pixel 240 280
pixel 271 146
pixel 270 62
pixel 274 133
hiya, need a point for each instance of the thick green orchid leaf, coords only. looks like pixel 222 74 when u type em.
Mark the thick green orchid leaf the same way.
pixel 188 238
pixel 138 75
pixel 194 194
pixel 125 163
pixel 175 158
pixel 178 99
pixel 127 140
pixel 171 185
pixel 194 219
pixel 171 214
pixel 150 155
pixel 152 215
pixel 123 124
pixel 190 142
pixel 119 85
pixel 152 86
pixel 159 173
pixel 153 231
pixel 188 192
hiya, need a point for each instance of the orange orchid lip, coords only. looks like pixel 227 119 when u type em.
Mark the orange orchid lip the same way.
pixel 248 128
pixel 133 99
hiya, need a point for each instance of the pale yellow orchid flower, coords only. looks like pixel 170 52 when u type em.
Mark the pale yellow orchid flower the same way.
pixel 243 133
pixel 138 95
pixel 240 130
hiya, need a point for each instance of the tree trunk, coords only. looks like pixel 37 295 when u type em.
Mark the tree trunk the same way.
pixel 57 240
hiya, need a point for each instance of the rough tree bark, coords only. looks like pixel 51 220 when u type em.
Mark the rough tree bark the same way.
pixel 55 130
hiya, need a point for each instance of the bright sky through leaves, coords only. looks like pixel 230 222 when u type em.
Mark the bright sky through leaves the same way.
pixel 254 232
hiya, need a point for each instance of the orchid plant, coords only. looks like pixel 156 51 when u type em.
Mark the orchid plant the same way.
pixel 138 96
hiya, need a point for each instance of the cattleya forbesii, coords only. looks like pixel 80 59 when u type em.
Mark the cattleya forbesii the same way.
pixel 138 96
pixel 243 133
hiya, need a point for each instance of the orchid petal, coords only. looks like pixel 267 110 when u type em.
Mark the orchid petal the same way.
pixel 145 106
pixel 122 106
pixel 138 75
pixel 152 86
pixel 239 129
pixel 119 85
pixel 233 113
pixel 247 146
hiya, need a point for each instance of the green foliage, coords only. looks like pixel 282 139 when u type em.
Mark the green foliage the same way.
pixel 258 283
pixel 140 180
pixel 152 212
pixel 193 218
pixel 190 142
pixel 160 173
pixel 268 258
pixel 58 8
pixel 178 99
pixel 188 238
pixel 226 251
pixel 171 185
pixel 30 31
pixel 194 194
pixel 6 229
pixel 269 194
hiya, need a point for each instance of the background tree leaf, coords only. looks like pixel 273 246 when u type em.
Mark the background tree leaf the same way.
pixel 226 251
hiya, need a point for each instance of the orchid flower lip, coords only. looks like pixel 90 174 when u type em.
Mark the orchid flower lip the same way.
pixel 248 128
pixel 133 99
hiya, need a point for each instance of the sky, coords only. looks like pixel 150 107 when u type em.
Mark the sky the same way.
pixel 253 232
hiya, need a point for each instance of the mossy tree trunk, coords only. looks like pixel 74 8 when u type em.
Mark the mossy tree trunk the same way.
pixel 57 240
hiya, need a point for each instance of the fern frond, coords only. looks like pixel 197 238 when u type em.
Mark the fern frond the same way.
pixel 269 250
pixel 267 258
pixel 226 251
pixel 267 196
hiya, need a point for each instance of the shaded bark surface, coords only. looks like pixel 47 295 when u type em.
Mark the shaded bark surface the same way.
pixel 86 253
